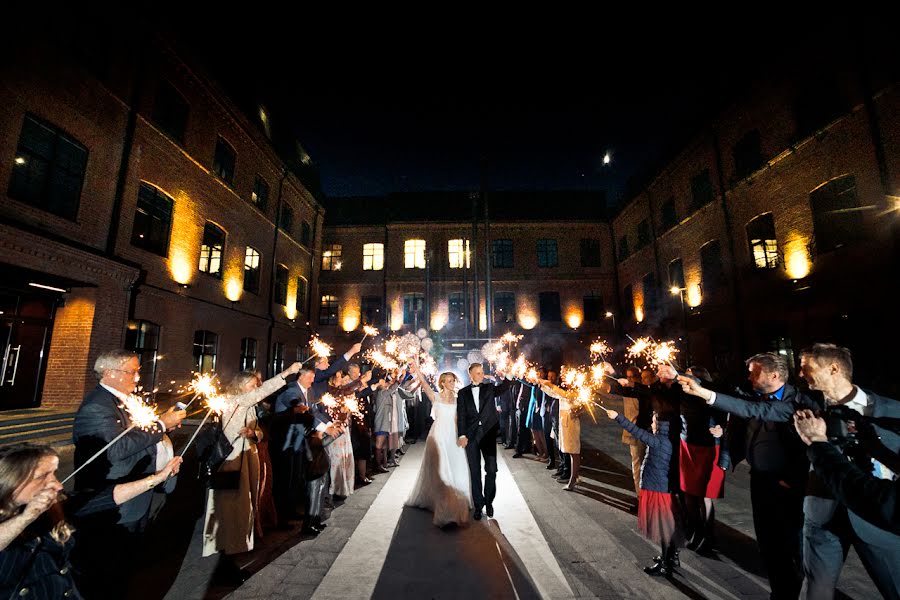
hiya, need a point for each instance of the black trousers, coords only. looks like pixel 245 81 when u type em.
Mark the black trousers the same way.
pixel 485 447
pixel 512 428
pixel 778 521
pixel 549 427
pixel 524 443
pixel 504 417
pixel 288 484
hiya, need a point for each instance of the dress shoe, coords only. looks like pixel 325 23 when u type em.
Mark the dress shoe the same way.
pixel 550 466
pixel 311 530
pixel 660 569
pixel 489 509
pixel 676 559
pixel 477 515
pixel 517 455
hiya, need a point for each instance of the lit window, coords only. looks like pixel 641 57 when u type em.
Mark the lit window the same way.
pixel 331 257
pixel 251 270
pixel 211 250
pixel 458 251
pixel 414 252
pixel 763 245
pixel 373 257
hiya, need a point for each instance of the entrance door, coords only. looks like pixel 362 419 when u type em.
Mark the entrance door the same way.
pixel 24 343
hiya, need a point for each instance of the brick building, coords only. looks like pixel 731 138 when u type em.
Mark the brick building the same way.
pixel 140 211
pixel 774 227
pixel 408 262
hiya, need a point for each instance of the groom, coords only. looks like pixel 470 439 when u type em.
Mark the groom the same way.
pixel 477 426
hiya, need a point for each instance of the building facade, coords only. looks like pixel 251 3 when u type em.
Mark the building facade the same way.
pixel 415 263
pixel 144 209
pixel 773 228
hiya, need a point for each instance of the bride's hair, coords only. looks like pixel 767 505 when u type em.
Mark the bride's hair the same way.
pixel 442 385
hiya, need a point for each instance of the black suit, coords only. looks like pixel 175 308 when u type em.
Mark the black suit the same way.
pixel 830 528
pixel 480 425
pixel 108 547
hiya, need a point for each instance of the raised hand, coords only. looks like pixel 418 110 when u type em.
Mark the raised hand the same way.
pixel 809 427
pixel 716 431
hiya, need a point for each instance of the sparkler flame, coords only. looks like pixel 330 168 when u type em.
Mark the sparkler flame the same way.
pixel 218 404
pixel 143 416
pixel 600 347
pixel 639 347
pixel 664 352
pixel 319 348
pixel 204 384
pixel 370 331
pixel 510 338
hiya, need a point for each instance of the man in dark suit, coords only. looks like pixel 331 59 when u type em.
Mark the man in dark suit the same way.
pixel 298 415
pixel 477 425
pixel 108 550
pixel 830 528
pixel 778 472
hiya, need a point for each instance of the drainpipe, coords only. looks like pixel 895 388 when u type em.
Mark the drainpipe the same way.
pixel 274 263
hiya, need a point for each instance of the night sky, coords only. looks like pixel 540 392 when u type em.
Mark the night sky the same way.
pixel 422 108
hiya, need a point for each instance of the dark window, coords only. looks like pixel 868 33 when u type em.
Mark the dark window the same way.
pixel 371 310
pixel 651 293
pixel 549 306
pixel 836 218
pixel 643 234
pixel 281 284
pixel 457 307
pixel 668 216
pixel 142 338
pixel 277 357
pixel 223 161
pixel 701 189
pixel 248 354
pixel 286 219
pixel 623 248
pixel 676 274
pixel 546 252
pixel 260 194
pixel 251 270
pixel 593 309
pixel 711 269
pixel 211 250
pixel 205 343
pixel 763 244
pixel 414 310
pixel 170 111
pixel 301 296
pixel 503 254
pixel 504 307
pixel 305 233
pixel 152 220
pixel 48 170
pixel 590 252
pixel 328 313
pixel 747 155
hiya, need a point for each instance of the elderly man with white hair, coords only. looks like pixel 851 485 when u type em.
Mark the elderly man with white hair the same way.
pixel 136 455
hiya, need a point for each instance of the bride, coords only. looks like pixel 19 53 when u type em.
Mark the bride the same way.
pixel 443 485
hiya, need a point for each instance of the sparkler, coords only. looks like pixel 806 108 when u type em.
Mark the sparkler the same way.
pixel 520 367
pixel 640 347
pixel 142 416
pixel 383 360
pixel 319 349
pixel 600 347
pixel 664 352
pixel 368 330
pixel 202 385
pixel 391 345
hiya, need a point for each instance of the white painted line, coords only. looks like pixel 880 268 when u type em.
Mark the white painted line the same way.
pixel 521 530
pixel 357 568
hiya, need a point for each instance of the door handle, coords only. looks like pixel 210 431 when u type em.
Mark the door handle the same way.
pixel 18 350
pixel 5 362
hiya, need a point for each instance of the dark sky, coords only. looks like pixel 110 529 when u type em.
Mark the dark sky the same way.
pixel 418 108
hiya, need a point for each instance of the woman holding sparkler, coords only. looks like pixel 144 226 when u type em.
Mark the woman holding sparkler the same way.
pixel 231 513
pixel 571 406
pixel 35 535
pixel 444 484
pixel 340 451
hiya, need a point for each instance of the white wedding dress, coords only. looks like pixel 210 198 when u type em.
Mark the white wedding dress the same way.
pixel 443 485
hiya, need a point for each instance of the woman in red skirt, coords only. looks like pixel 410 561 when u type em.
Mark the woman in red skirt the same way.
pixel 659 514
pixel 702 465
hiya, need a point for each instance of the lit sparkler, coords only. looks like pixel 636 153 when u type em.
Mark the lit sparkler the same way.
pixel 600 347
pixel 664 352
pixel 319 349
pixel 640 347
pixel 368 330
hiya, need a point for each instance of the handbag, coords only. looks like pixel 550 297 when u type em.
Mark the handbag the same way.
pixel 229 480
pixel 213 449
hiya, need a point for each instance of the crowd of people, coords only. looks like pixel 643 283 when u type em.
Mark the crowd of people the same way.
pixel 823 464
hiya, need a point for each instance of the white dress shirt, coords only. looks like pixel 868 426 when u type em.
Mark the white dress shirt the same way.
pixel 475 394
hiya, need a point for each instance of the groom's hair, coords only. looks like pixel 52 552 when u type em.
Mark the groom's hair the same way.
pixel 475 365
